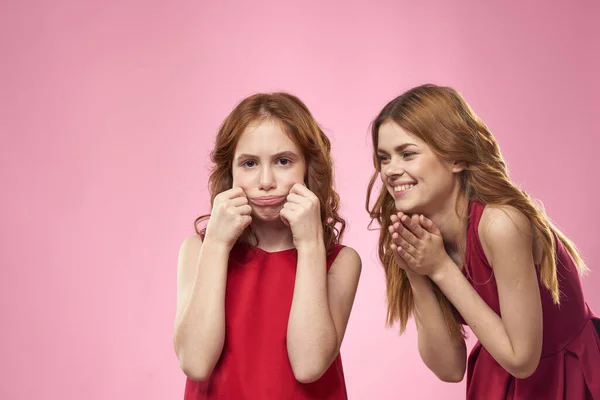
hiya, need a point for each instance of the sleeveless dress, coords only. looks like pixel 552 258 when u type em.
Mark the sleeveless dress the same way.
pixel 254 363
pixel 570 362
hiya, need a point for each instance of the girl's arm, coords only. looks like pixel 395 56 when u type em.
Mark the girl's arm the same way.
pixel 200 321
pixel 322 300
pixel 201 280
pixel 321 307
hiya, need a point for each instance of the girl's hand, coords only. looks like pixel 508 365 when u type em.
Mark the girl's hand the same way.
pixel 229 217
pixel 302 213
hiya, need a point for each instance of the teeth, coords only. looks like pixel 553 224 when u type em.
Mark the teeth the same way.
pixel 402 188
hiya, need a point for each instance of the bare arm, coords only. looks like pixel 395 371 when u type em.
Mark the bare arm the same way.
pixel 200 320
pixel 515 339
pixel 201 280
pixel 441 354
pixel 446 358
pixel 320 310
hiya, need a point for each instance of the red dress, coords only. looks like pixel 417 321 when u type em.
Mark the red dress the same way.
pixel 570 364
pixel 254 364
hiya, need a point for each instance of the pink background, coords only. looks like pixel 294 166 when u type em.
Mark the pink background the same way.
pixel 108 110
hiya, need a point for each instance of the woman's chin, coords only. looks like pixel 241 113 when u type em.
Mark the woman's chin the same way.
pixel 408 209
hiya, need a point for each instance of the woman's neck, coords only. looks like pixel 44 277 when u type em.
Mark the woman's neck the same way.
pixel 451 219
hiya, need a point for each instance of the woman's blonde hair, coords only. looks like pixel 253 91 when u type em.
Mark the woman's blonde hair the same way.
pixel 441 117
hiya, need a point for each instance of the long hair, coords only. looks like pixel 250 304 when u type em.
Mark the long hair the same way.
pixel 441 117
pixel 298 122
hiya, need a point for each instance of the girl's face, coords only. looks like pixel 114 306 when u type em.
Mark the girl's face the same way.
pixel 266 164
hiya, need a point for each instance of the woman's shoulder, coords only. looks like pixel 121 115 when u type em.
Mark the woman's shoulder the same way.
pixel 502 227
pixel 503 219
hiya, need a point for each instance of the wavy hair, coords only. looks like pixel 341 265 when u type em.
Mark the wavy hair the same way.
pixel 298 122
pixel 442 118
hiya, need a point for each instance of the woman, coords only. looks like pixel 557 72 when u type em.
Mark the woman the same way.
pixel 461 244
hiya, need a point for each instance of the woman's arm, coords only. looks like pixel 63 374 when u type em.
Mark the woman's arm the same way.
pixel 515 338
pixel 446 358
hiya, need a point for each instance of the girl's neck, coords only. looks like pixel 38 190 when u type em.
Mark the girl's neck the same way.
pixel 271 236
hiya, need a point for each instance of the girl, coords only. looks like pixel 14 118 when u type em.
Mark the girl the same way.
pixel 265 290
pixel 461 244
